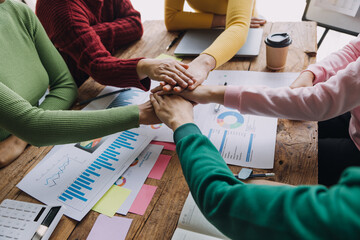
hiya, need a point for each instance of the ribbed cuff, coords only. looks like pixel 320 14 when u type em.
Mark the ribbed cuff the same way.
pixel 185 130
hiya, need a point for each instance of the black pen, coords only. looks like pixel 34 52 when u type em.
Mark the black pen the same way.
pixel 102 96
pixel 175 40
pixel 217 106
pixel 40 232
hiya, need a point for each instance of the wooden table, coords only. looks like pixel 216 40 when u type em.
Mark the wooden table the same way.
pixel 295 153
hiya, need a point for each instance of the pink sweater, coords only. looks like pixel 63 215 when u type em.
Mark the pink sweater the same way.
pixel 336 90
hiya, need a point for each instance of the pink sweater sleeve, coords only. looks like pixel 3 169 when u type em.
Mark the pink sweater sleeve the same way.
pixel 336 61
pixel 323 101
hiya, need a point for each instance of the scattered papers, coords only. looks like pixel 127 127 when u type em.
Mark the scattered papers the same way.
pixel 78 175
pixel 136 174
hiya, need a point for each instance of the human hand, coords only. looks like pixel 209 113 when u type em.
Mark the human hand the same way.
pixel 257 22
pixel 166 71
pixel 147 114
pixel 202 94
pixel 305 79
pixel 199 68
pixel 172 110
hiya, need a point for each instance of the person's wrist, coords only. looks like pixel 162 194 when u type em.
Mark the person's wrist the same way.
pixel 141 68
pixel 309 75
pixel 206 61
pixel 179 122
pixel 217 94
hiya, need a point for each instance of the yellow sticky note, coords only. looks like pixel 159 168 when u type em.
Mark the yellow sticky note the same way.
pixel 165 56
pixel 112 200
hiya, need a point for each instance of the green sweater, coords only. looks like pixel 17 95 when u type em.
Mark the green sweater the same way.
pixel 29 64
pixel 248 211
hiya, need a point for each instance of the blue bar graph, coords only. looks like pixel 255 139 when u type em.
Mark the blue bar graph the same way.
pixel 86 182
pixel 249 148
pixel 83 185
pixel 223 142
pixel 62 198
pixel 87 179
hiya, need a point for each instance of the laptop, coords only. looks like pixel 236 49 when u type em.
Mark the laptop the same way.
pixel 196 41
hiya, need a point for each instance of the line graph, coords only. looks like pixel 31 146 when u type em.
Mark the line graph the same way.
pixel 51 181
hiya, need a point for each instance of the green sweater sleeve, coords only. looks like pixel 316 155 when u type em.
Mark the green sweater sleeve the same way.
pixel 247 211
pixel 62 87
pixel 41 127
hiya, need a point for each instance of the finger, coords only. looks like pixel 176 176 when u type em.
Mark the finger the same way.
pixel 159 99
pixel 178 89
pixel 156 89
pixel 154 102
pixel 162 83
pixel 162 93
pixel 184 70
pixel 254 25
pixel 169 80
pixel 184 65
pixel 192 87
pixel 167 88
pixel 180 81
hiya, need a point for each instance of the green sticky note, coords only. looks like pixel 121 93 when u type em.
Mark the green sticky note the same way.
pixel 112 200
pixel 165 56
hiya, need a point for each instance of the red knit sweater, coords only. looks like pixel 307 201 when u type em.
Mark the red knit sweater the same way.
pixel 87 31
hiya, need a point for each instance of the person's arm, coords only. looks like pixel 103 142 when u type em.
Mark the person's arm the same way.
pixel 41 127
pixel 321 102
pixel 247 211
pixel 238 17
pixel 124 29
pixel 62 88
pixel 69 29
pixel 332 64
pixel 178 19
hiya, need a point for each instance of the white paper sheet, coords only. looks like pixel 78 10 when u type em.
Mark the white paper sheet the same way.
pixel 78 175
pixel 242 140
pixel 136 174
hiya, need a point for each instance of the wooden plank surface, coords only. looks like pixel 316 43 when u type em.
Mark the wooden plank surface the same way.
pixel 296 143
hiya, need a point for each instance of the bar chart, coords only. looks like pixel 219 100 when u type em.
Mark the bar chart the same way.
pixel 78 178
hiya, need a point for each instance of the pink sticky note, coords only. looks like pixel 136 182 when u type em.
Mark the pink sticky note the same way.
pixel 143 199
pixel 167 145
pixel 110 228
pixel 160 166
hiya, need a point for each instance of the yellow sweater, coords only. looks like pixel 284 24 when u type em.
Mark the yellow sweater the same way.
pixel 238 15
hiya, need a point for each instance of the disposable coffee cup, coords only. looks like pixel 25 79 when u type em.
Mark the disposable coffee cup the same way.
pixel 277 45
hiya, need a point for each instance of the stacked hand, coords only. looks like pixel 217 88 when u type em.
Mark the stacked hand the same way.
pixel 172 110
pixel 166 71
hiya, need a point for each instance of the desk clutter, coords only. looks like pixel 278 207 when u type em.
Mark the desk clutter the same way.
pixel 23 220
pixel 107 174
